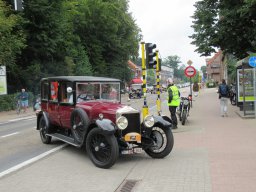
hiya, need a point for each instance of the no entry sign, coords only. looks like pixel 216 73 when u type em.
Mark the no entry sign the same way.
pixel 190 71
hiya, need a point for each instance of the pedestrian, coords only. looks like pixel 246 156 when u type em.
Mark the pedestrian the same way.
pixel 173 101
pixel 195 89
pixel 224 93
pixel 23 96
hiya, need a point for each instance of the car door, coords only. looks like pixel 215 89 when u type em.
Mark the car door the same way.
pixel 66 104
pixel 53 106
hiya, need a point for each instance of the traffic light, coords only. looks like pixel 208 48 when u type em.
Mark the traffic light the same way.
pixel 150 62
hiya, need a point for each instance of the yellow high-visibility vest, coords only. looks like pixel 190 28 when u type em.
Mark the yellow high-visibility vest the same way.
pixel 175 96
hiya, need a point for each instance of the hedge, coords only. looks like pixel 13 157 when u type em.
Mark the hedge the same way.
pixel 8 102
pixel 211 84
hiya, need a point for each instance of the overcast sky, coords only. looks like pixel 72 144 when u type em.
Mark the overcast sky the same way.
pixel 167 24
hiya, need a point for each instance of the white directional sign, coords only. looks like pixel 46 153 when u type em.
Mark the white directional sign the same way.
pixel 3 85
pixel 190 71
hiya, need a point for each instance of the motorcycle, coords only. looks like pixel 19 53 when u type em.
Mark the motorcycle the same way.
pixel 233 95
pixel 184 109
pixel 135 94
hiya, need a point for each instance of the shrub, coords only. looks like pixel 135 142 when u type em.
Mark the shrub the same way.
pixel 210 84
pixel 8 102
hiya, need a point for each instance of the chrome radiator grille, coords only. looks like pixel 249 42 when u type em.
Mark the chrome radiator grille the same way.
pixel 133 123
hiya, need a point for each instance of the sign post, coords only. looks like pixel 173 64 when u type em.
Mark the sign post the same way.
pixel 252 63
pixel 3 84
pixel 190 71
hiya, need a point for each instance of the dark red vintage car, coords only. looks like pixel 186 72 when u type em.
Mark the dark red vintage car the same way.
pixel 87 111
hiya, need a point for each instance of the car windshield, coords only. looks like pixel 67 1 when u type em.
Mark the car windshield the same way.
pixel 107 91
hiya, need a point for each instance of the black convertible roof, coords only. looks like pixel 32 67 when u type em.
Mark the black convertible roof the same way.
pixel 80 78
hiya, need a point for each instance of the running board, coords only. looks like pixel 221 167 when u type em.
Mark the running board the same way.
pixel 64 138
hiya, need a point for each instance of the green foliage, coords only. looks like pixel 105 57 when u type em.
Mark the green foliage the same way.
pixel 211 84
pixel 231 66
pixel 151 77
pixel 226 25
pixel 12 37
pixel 77 37
pixel 8 102
pixel 109 34
pixel 172 62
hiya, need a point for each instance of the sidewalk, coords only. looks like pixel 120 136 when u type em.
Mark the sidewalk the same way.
pixel 10 115
pixel 227 144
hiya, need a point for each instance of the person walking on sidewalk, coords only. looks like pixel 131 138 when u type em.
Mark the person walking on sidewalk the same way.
pixel 23 96
pixel 173 101
pixel 195 89
pixel 224 97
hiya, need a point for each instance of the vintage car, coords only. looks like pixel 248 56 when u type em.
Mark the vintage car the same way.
pixel 86 112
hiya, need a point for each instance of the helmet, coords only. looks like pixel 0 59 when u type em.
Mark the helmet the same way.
pixel 170 81
pixel 69 89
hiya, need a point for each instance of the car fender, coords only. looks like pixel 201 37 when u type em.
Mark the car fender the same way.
pixel 162 121
pixel 106 125
pixel 46 116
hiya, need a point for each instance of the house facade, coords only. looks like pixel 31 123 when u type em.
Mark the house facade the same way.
pixel 215 68
pixel 136 71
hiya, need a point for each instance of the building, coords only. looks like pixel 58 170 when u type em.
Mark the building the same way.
pixel 215 68
pixel 136 71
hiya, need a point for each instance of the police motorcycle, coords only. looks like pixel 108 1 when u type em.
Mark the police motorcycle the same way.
pixel 183 110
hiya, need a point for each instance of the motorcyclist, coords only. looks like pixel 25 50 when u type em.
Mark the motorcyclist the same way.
pixel 173 101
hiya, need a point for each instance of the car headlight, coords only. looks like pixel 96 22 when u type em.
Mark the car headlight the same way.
pixel 122 122
pixel 149 121
pixel 186 102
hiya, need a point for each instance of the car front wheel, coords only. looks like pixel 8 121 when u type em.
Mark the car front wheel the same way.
pixel 43 131
pixel 163 142
pixel 102 148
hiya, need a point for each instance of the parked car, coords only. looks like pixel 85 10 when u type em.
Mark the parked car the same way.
pixel 87 111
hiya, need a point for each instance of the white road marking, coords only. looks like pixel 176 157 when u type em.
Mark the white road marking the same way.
pixel 10 135
pixel 34 159
pixel 22 118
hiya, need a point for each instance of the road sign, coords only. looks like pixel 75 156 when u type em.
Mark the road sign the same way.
pixel 252 61
pixel 189 62
pixel 190 71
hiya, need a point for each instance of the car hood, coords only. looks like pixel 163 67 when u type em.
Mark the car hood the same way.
pixel 94 108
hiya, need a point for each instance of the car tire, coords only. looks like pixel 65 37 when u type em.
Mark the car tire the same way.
pixel 163 139
pixel 102 148
pixel 79 124
pixel 43 130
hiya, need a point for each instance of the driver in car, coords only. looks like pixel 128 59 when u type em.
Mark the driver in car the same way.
pixel 80 93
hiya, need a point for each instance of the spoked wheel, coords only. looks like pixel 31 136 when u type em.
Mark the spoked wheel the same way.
pixel 163 142
pixel 184 117
pixel 43 129
pixel 79 123
pixel 102 148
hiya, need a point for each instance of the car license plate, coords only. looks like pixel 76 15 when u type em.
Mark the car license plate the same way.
pixel 137 150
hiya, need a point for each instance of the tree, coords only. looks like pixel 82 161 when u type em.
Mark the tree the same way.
pixel 12 37
pixel 228 25
pixel 203 69
pixel 109 34
pixel 172 62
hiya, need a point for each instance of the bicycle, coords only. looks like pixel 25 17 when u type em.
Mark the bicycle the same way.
pixel 18 106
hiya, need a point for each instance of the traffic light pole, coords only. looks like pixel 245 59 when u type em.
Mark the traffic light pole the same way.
pixel 145 107
pixel 158 101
